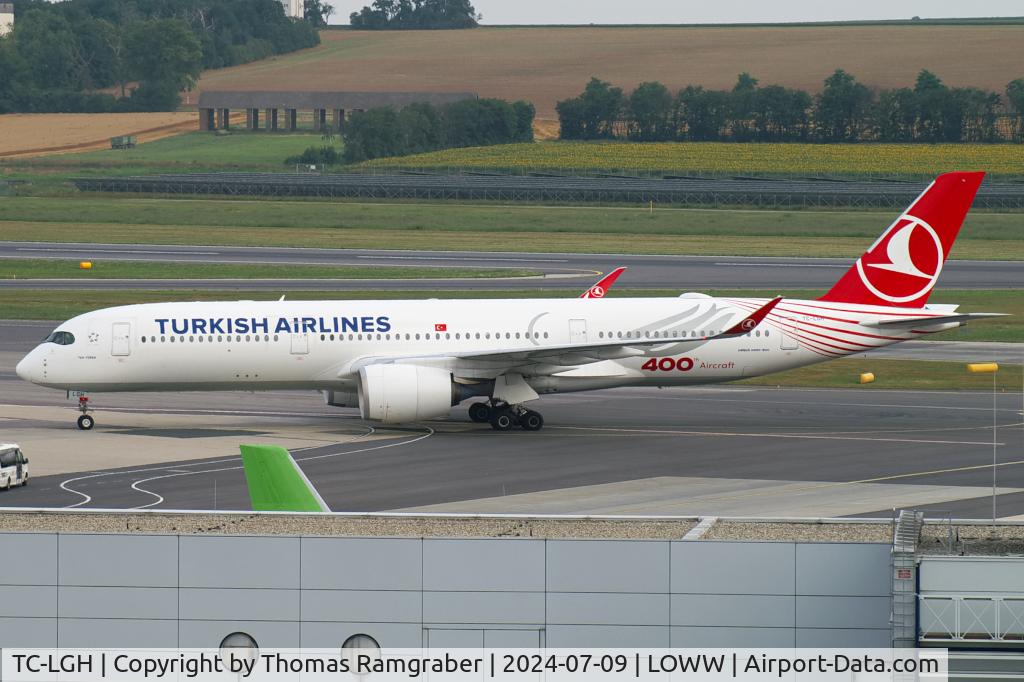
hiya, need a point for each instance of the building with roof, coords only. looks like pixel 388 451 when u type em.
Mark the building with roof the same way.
pixel 293 8
pixel 6 18
pixel 280 108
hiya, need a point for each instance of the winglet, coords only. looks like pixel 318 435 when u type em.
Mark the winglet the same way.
pixel 748 323
pixel 276 483
pixel 603 285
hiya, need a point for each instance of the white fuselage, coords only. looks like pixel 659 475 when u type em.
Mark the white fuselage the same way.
pixel 259 345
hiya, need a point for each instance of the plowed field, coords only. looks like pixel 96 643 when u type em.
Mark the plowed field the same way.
pixel 546 64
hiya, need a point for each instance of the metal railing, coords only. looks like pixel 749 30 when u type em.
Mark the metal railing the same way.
pixel 974 618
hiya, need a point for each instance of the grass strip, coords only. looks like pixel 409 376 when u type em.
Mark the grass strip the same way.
pixel 893 374
pixel 464 227
pixel 40 268
pixel 508 241
pixel 474 217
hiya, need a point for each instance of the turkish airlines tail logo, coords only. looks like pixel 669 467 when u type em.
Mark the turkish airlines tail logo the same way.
pixel 902 267
pixel 600 289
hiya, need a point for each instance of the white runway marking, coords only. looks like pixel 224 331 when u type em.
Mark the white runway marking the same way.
pixel 798 436
pixel 160 499
pixel 87 498
pixel 865 404
pixel 783 265
pixel 463 258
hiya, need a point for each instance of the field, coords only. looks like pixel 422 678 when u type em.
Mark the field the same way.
pixel 191 151
pixel 547 64
pixel 43 304
pixel 467 227
pixel 722 158
pixel 24 135
pixel 240 149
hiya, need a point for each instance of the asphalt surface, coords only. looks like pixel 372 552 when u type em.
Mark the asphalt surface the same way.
pixel 564 271
pixel 828 440
pixel 860 445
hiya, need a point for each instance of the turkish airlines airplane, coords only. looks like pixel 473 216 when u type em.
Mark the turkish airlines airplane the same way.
pixel 405 361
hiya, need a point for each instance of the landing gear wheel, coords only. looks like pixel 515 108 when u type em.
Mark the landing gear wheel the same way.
pixel 531 421
pixel 480 412
pixel 85 422
pixel 502 421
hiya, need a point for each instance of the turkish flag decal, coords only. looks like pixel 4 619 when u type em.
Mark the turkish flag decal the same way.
pixel 440 327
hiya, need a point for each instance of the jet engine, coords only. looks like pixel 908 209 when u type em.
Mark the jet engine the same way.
pixel 394 394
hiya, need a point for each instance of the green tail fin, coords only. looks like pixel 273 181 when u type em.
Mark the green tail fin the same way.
pixel 276 483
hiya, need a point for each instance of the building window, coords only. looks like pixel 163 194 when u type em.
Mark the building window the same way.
pixel 238 646
pixel 360 645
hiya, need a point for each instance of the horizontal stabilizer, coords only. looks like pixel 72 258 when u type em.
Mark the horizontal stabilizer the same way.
pixel 925 320
pixel 276 483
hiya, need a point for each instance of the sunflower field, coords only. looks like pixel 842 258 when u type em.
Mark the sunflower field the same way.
pixel 721 159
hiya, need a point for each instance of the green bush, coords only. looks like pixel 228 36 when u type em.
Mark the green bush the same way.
pixel 325 156
pixel 423 127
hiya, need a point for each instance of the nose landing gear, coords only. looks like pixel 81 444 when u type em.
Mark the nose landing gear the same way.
pixel 85 422
pixel 504 417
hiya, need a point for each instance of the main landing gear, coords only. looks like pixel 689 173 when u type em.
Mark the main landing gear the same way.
pixel 85 422
pixel 504 417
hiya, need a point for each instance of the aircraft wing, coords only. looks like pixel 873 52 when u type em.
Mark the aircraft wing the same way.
pixel 927 320
pixel 543 359
pixel 276 483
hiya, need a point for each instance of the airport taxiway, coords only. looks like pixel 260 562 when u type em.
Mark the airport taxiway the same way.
pixel 561 270
pixel 724 451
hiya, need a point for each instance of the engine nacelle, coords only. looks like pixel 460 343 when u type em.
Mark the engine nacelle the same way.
pixel 395 394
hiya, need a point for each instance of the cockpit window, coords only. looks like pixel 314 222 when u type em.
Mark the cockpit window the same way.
pixel 60 338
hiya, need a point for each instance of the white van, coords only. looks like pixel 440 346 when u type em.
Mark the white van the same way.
pixel 13 466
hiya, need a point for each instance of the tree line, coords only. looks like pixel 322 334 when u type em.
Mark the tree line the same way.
pixel 422 127
pixel 415 14
pixel 60 55
pixel 844 111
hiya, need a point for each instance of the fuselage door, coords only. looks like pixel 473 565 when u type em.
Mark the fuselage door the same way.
pixel 788 342
pixel 300 344
pixel 577 331
pixel 121 343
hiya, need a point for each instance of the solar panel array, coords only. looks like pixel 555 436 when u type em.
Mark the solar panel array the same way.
pixel 764 193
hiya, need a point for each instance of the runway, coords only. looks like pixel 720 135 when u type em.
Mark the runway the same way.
pixel 562 271
pixel 724 451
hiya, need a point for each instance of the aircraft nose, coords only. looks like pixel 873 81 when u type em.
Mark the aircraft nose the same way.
pixel 27 369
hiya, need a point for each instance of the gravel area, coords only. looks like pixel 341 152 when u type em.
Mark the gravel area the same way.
pixel 967 539
pixel 973 540
pixel 800 532
pixel 353 526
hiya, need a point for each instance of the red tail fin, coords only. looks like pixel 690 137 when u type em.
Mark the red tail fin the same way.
pixel 604 284
pixel 903 265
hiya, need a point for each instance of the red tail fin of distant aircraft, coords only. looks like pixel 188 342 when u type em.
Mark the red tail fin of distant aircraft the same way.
pixel 605 283
pixel 903 265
